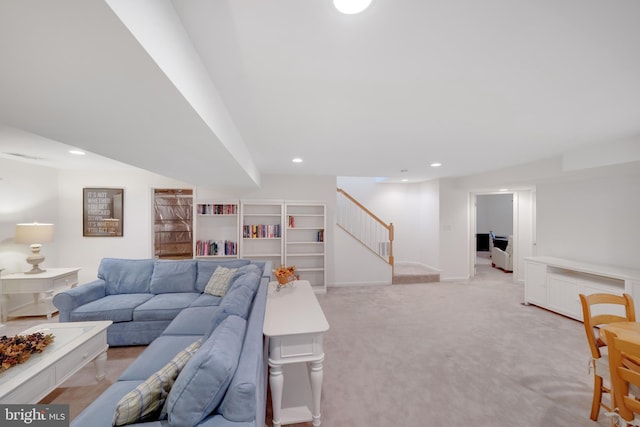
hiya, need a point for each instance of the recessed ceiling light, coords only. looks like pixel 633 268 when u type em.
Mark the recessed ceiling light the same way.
pixel 503 189
pixel 296 160
pixel 405 180
pixel 435 165
pixel 351 7
pixel 77 152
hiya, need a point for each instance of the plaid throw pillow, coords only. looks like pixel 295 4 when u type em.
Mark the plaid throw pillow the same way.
pixel 219 281
pixel 145 401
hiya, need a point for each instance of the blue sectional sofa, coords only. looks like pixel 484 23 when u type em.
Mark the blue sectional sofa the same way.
pixel 223 383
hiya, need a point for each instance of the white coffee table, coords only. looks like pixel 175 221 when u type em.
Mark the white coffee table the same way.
pixel 75 344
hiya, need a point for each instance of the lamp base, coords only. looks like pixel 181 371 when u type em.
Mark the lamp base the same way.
pixel 35 259
pixel 35 270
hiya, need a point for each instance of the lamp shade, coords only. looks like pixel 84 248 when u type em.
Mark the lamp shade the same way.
pixel 34 233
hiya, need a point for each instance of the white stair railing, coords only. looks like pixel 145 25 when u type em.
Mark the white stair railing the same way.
pixel 364 226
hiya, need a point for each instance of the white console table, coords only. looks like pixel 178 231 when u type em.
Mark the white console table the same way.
pixel 295 324
pixel 555 283
pixel 48 283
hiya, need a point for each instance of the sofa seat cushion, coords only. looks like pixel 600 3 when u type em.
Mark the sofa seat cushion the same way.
pixel 193 321
pixel 126 276
pixel 117 308
pixel 203 382
pixel 205 300
pixel 164 306
pixel 173 276
pixel 100 412
pixel 156 355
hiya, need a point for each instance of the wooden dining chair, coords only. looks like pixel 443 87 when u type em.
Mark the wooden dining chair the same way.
pixel 624 364
pixel 594 317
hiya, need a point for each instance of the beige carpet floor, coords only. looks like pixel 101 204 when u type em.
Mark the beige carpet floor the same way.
pixel 434 354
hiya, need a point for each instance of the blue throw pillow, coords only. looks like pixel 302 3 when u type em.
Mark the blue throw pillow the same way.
pixel 204 380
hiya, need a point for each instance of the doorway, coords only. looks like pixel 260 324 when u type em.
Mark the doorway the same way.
pixel 494 214
pixel 172 223
pixel 523 228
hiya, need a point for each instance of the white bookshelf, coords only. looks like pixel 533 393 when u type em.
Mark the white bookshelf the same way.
pixel 262 231
pixel 305 225
pixel 217 230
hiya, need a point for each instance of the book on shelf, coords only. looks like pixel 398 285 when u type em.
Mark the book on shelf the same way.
pixel 216 248
pixel 261 231
pixel 320 236
pixel 217 209
pixel 292 221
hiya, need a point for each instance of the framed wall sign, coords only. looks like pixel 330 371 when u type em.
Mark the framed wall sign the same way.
pixel 102 212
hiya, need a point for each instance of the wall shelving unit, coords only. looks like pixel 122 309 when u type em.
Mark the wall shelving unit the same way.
pixel 304 241
pixel 217 230
pixel 261 231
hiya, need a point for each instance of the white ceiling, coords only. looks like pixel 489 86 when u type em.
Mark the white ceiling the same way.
pixel 184 87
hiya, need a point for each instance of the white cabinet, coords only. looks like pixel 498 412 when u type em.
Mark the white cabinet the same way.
pixel 556 284
pixel 262 231
pixel 535 276
pixel 304 241
pixel 216 230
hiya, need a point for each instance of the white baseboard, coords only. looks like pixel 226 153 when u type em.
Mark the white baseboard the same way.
pixel 419 264
pixel 354 284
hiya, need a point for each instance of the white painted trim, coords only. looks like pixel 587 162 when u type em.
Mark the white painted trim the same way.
pixel 359 284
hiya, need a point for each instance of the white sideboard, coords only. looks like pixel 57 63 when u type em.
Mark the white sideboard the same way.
pixel 555 283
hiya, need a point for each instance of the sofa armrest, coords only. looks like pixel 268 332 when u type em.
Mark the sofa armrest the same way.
pixel 70 299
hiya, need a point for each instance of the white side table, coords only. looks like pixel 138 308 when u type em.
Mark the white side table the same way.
pixel 295 324
pixel 53 280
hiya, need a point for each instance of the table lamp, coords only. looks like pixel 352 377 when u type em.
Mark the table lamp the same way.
pixel 34 234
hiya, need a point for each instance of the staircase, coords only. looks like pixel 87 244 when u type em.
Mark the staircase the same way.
pixel 377 236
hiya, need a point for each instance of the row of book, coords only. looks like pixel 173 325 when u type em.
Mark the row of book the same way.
pixel 261 231
pixel 320 236
pixel 217 209
pixel 216 248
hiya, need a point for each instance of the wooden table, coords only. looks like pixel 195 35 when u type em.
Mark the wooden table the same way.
pixel 629 331
pixel 295 324
pixel 75 344
pixel 48 283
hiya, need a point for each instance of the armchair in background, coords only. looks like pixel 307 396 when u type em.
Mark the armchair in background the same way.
pixel 503 259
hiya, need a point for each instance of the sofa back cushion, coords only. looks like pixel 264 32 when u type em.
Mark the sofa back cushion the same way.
pixel 238 299
pixel 126 276
pixel 201 385
pixel 173 276
pixel 207 267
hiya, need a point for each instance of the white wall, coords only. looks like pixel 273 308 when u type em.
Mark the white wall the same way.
pixel 592 216
pixel 27 194
pixel 495 212
pixel 136 242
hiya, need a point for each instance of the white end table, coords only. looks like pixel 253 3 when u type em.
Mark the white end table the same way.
pixel 295 324
pixel 51 281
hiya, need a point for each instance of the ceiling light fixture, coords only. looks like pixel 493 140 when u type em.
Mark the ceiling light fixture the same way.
pixel 77 152
pixel 435 165
pixel 503 190
pixel 405 180
pixel 296 160
pixel 351 7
